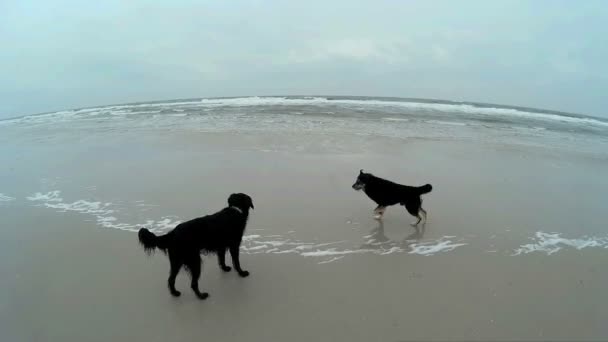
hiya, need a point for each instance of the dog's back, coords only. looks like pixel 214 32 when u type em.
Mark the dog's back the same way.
pixel 385 192
pixel 212 232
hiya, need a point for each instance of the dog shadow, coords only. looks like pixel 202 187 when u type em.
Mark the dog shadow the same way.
pixel 377 239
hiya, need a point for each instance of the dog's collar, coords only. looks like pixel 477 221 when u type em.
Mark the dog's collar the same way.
pixel 237 209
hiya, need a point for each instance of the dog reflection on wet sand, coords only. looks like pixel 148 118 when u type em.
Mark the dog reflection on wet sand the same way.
pixel 377 239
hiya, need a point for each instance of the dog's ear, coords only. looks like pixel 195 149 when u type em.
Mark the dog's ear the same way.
pixel 361 171
pixel 250 200
pixel 232 199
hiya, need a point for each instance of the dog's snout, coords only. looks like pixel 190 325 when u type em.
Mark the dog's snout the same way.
pixel 358 185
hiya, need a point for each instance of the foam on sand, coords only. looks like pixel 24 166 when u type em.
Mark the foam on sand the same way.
pixel 103 212
pixel 330 260
pixel 444 244
pixel 105 215
pixel 52 196
pixel 5 198
pixel 550 243
pixel 322 250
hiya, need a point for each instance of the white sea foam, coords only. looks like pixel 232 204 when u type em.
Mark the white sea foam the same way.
pixel 163 225
pixel 550 243
pixel 105 215
pixel 396 119
pixel 330 260
pixel 103 212
pixel 450 123
pixel 256 248
pixel 334 251
pixel 6 198
pixel 52 196
pixel 431 248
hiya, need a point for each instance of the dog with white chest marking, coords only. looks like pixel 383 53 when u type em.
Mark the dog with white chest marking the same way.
pixel 386 193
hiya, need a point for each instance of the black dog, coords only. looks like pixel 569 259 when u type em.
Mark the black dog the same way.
pixel 209 234
pixel 386 193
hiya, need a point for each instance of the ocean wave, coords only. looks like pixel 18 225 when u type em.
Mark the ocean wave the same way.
pixel 395 106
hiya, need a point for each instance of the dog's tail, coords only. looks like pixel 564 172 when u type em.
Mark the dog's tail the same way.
pixel 425 189
pixel 150 241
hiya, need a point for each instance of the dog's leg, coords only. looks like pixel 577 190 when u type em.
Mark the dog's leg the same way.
pixel 412 205
pixel 176 264
pixel 234 253
pixel 194 266
pixel 424 213
pixel 379 212
pixel 417 222
pixel 221 258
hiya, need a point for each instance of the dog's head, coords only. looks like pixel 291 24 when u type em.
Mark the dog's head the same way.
pixel 362 179
pixel 241 201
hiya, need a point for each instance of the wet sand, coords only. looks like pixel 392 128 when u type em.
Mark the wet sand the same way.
pixel 67 278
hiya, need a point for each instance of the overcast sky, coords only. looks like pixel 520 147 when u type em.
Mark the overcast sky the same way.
pixel 70 53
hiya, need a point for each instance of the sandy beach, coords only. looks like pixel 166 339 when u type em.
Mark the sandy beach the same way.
pixel 514 248
pixel 463 297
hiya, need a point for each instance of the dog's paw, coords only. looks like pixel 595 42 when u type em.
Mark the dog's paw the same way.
pixel 378 217
pixel 226 268
pixel 202 296
pixel 176 293
pixel 244 274
pixel 414 224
